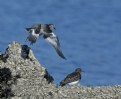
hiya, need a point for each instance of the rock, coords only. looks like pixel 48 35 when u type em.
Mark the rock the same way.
pixel 22 77
pixel 25 65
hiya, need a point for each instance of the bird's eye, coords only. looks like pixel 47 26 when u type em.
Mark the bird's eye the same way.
pixel 37 31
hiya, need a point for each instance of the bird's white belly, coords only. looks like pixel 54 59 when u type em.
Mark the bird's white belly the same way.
pixel 34 34
pixel 75 82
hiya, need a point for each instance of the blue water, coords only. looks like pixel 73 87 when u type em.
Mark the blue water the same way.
pixel 89 33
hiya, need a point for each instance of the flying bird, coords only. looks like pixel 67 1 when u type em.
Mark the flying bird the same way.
pixel 47 31
pixel 34 33
pixel 72 78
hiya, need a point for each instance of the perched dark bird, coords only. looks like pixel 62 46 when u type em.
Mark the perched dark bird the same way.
pixel 47 31
pixel 72 78
pixel 25 51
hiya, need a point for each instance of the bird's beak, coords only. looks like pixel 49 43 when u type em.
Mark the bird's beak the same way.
pixel 27 29
pixel 82 71
pixel 54 28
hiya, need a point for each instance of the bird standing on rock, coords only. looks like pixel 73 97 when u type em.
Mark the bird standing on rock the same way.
pixel 72 78
pixel 47 31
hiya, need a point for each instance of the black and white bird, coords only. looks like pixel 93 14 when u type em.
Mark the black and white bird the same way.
pixel 47 31
pixel 72 78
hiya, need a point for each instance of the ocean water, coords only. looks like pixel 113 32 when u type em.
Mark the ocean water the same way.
pixel 89 32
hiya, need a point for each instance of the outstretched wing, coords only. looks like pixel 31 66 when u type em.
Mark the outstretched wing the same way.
pixel 54 41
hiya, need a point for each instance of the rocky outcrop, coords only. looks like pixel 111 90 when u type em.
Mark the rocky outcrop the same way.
pixel 22 77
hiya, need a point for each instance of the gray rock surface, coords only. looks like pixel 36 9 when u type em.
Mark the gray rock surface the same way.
pixel 27 81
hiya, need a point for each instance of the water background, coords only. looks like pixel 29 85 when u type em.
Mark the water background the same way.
pixel 89 33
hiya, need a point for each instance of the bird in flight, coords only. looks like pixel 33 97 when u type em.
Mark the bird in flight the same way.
pixel 36 30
